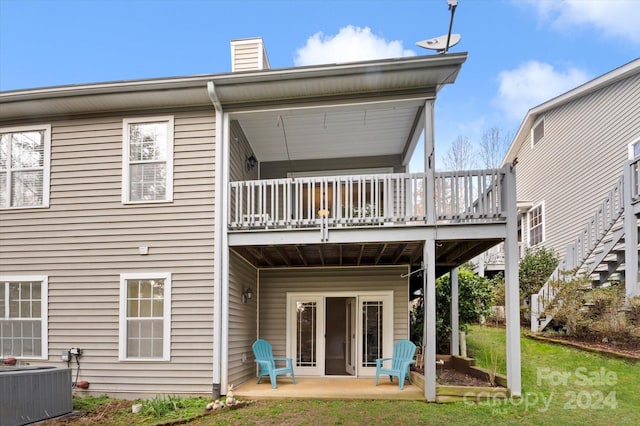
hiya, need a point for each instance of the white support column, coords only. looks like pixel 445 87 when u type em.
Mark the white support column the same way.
pixel 429 164
pixel 630 236
pixel 429 326
pixel 512 291
pixel 455 314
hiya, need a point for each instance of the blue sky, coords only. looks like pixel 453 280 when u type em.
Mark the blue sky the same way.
pixel 521 52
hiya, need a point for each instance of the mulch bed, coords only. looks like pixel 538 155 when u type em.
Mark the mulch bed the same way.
pixel 453 377
pixel 624 350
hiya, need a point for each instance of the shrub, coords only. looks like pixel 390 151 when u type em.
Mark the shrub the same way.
pixel 569 305
pixel 475 295
pixel 535 269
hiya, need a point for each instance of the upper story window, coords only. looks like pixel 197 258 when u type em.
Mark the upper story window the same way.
pixel 24 166
pixel 536 225
pixel 147 160
pixel 634 150
pixel 145 316
pixel 537 133
pixel 23 317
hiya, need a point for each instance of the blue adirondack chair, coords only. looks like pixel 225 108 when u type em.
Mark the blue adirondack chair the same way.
pixel 403 353
pixel 263 353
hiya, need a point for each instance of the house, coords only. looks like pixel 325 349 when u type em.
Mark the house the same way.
pixel 577 163
pixel 162 225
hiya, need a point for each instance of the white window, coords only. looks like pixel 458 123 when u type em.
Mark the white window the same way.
pixel 634 150
pixel 24 166
pixel 536 225
pixel 23 317
pixel 147 160
pixel 145 317
pixel 537 133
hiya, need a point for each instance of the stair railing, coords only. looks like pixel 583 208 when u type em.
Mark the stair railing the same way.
pixel 606 215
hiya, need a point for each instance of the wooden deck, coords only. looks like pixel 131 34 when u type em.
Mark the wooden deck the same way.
pixel 328 388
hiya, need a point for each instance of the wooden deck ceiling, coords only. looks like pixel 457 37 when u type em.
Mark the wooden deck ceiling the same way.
pixel 449 254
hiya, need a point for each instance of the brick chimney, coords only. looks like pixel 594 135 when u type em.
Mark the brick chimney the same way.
pixel 248 54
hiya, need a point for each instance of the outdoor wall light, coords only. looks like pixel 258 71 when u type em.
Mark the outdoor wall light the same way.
pixel 247 294
pixel 251 162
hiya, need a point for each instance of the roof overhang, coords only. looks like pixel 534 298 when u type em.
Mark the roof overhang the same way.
pixel 585 89
pixel 338 110
pixel 373 108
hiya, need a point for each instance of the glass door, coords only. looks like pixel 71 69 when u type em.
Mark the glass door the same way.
pixel 307 340
pixel 350 335
pixel 376 331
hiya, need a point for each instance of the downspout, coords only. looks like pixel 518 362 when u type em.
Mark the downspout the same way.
pixel 218 245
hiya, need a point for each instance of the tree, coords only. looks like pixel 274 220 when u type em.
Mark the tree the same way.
pixel 461 155
pixel 493 147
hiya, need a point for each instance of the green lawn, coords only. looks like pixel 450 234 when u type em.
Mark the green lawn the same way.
pixel 561 386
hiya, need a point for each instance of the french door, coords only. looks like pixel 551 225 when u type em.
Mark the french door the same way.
pixel 367 331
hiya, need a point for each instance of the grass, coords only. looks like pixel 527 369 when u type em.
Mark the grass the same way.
pixel 561 386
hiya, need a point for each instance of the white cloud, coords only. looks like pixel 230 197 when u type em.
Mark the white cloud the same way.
pixel 533 83
pixel 614 18
pixel 350 44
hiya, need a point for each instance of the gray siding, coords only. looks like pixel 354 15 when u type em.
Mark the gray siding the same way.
pixel 581 155
pixel 279 169
pixel 275 283
pixel 87 238
pixel 242 320
pixel 240 150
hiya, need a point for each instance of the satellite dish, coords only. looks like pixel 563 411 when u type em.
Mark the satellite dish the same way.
pixel 440 43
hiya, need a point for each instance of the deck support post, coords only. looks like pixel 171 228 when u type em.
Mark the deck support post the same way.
pixel 512 285
pixel 429 164
pixel 630 233
pixel 455 314
pixel 429 325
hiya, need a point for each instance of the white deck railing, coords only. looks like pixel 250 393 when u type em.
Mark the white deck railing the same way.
pixel 366 200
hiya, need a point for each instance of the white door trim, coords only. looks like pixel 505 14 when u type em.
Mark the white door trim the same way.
pixel 387 318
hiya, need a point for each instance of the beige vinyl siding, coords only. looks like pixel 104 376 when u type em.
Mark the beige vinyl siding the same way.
pixel 279 169
pixel 275 283
pixel 240 150
pixel 87 238
pixel 248 55
pixel 579 159
pixel 242 329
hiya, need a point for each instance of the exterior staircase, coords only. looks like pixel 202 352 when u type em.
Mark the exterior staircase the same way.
pixel 599 250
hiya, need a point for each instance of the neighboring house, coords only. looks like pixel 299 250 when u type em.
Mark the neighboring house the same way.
pixel 163 225
pixel 577 165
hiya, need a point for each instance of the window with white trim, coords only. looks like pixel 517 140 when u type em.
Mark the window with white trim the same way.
pixel 634 150
pixel 536 225
pixel 537 133
pixel 145 317
pixel 23 317
pixel 24 166
pixel 147 160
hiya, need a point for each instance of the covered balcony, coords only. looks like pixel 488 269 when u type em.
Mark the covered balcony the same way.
pixel 318 205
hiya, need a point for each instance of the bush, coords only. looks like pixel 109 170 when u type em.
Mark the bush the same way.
pixel 569 305
pixel 475 296
pixel 633 314
pixel 535 269
pixel 596 314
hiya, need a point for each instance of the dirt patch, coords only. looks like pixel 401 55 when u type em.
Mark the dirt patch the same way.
pixel 630 349
pixel 103 415
pixel 453 377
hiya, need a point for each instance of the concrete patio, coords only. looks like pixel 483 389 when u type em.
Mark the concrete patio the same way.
pixel 328 388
